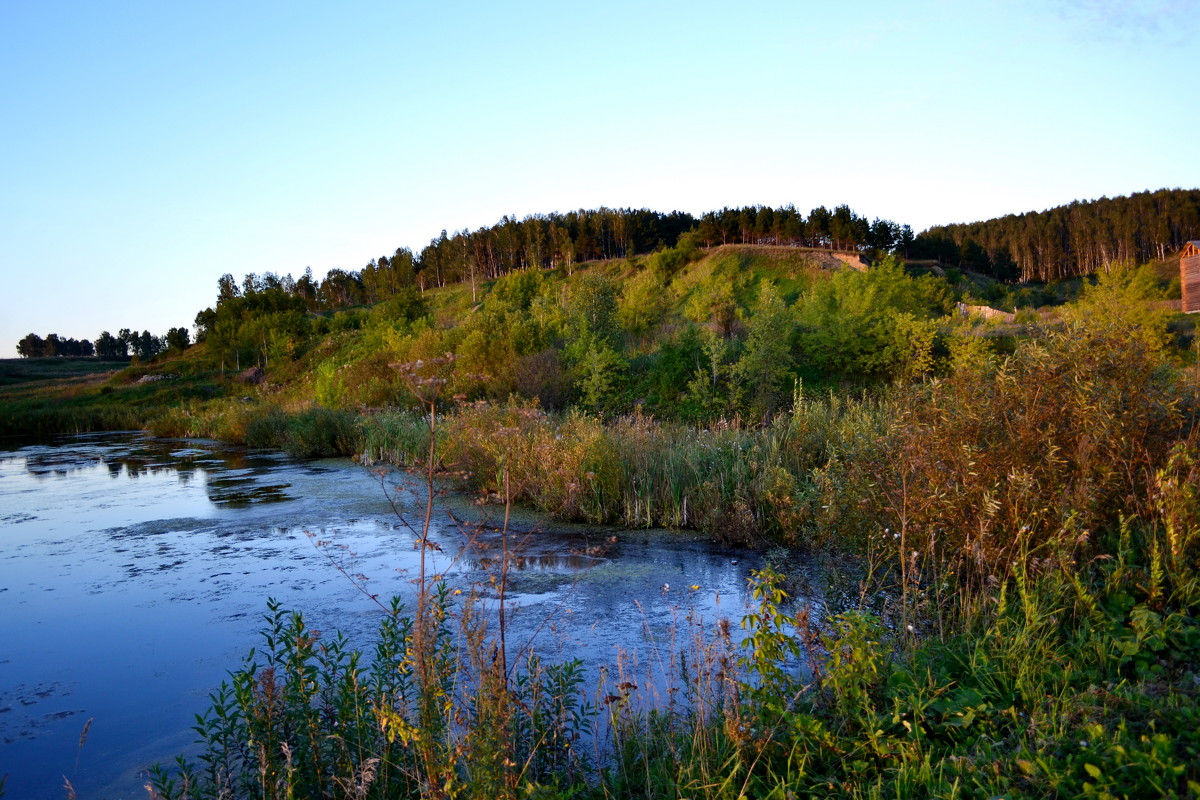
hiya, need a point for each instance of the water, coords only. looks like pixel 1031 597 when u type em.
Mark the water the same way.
pixel 134 573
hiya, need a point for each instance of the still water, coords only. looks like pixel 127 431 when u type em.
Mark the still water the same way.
pixel 134 573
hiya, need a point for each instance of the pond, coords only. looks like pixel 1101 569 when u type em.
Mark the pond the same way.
pixel 134 573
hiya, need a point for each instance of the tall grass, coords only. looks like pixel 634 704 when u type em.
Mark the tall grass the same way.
pixel 313 432
pixel 734 481
pixel 37 420
pixel 1013 462
pixel 1056 440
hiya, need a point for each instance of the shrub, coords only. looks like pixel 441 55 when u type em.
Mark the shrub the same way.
pixel 1054 441
pixel 323 432
pixel 267 430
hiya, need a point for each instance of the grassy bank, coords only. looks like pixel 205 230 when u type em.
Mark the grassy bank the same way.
pixel 64 395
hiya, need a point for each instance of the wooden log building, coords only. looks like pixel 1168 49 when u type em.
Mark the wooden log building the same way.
pixel 1189 276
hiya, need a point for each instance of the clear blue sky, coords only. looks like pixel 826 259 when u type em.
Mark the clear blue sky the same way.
pixel 147 148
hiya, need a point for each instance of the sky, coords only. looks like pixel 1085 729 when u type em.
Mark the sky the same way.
pixel 146 148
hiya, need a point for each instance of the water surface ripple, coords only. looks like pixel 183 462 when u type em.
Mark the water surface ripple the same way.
pixel 134 573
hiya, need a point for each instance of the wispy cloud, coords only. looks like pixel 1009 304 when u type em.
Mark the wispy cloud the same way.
pixel 1166 22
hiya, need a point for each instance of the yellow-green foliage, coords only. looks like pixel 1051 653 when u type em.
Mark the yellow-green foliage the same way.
pixel 519 319
pixel 566 468
pixel 710 290
pixel 643 301
pixel 794 270
pixel 1053 441
pixel 872 323
pixel 1123 302
pixel 762 371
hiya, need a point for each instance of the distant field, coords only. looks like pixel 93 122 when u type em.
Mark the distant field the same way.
pixel 26 370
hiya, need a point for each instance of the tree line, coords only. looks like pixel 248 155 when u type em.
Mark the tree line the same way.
pixel 546 241
pixel 124 344
pixel 1076 239
pixel 839 229
pixel 563 240
pixel 1070 240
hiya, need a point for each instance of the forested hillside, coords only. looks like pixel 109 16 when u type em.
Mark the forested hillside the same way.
pixel 1070 240
pixel 1064 242
pixel 553 241
pixel 688 332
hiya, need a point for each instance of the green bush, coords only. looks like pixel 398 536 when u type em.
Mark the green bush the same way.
pixel 322 433
pixel 269 430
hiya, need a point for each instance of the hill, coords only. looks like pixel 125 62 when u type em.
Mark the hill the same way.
pixel 686 333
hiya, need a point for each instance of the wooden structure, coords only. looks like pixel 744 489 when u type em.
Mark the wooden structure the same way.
pixel 1189 276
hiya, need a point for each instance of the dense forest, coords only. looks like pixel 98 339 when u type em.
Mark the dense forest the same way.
pixel 548 241
pixel 1071 240
pixel 553 240
pixel 1075 239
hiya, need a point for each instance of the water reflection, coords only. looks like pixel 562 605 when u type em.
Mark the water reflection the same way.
pixel 542 562
pixel 241 471
pixel 134 572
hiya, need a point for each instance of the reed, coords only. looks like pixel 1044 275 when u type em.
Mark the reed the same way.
pixel 736 482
